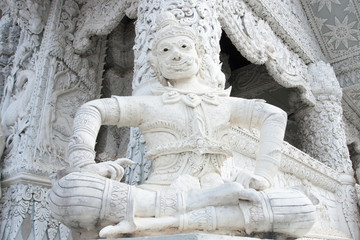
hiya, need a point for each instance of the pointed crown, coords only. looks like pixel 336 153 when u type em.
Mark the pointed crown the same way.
pixel 167 26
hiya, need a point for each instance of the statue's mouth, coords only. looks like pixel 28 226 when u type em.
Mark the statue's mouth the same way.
pixel 182 65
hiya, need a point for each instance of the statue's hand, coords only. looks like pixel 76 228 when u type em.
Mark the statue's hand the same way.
pixel 250 180
pixel 109 169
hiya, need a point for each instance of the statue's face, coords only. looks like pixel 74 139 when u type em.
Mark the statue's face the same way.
pixel 177 58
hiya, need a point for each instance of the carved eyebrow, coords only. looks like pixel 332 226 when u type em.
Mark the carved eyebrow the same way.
pixel 163 46
pixel 185 42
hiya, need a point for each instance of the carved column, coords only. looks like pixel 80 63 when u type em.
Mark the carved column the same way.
pixel 45 85
pixel 322 135
pixel 321 128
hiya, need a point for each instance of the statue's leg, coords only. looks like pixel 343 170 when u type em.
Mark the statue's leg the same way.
pixel 168 203
pixel 209 219
pixel 284 211
pixel 85 200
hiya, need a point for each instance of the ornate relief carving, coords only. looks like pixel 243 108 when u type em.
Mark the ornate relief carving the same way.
pixel 100 18
pixel 321 126
pixel 348 198
pixel 349 78
pixel 254 38
pixel 24 22
pixel 9 37
pixel 75 80
pixel 352 63
pixel 25 214
pixel 288 20
pixel 31 14
pixel 337 35
pixel 138 173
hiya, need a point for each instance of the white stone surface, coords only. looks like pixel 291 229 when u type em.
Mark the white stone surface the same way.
pixel 199 236
pixel 185 124
pixel 52 59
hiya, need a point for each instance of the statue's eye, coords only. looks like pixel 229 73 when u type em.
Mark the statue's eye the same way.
pixel 183 46
pixel 165 49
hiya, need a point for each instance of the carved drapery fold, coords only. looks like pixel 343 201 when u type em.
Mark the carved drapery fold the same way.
pixel 254 38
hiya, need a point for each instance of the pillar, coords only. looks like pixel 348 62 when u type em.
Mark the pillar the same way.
pixel 45 85
pixel 321 128
pixel 322 136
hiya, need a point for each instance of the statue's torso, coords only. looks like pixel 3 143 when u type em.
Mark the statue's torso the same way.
pixel 185 134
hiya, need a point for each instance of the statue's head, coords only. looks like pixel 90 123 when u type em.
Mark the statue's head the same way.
pixel 176 52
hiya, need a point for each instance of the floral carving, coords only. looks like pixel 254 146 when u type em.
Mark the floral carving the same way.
pixel 341 32
pixel 337 34
pixel 348 198
pixel 321 126
pixel 24 205
pixel 138 173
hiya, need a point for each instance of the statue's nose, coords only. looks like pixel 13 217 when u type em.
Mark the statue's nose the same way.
pixel 176 55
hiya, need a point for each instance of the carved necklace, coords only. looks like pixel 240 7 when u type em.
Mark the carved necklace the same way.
pixel 191 99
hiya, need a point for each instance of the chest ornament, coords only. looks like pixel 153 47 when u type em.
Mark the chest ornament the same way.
pixel 191 99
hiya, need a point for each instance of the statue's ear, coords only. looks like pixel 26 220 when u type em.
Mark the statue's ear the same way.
pixel 200 50
pixel 152 61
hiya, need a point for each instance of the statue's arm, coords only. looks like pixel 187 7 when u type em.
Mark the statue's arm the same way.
pixel 87 122
pixel 271 121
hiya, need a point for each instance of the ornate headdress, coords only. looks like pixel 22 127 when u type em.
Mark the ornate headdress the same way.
pixel 167 26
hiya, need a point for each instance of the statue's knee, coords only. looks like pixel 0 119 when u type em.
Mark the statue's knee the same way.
pixel 284 211
pixel 82 200
pixel 76 201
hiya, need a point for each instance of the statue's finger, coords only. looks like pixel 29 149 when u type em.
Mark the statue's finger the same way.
pixel 124 161
pixel 118 171
pixel 112 173
pixel 249 195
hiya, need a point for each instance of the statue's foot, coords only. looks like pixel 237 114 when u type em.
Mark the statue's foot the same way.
pixel 112 231
pixel 225 195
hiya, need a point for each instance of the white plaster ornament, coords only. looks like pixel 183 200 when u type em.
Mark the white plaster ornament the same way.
pixel 185 124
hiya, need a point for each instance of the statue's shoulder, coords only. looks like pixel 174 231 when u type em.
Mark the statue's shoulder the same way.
pixel 137 99
pixel 145 102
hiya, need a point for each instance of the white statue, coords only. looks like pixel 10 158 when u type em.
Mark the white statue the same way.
pixel 185 124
